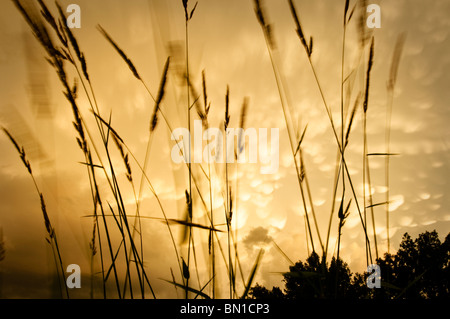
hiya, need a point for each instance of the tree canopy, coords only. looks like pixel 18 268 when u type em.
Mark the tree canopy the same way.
pixel 419 270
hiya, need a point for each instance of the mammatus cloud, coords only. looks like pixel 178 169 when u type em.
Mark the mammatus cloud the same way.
pixel 225 41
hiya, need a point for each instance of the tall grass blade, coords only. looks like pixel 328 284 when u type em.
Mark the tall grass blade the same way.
pixel 252 274
pixel 390 88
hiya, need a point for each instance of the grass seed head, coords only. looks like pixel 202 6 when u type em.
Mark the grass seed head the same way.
pixel 48 225
pixel 299 28
pixel 227 102
pixel 369 69
pixel 120 52
pixel 185 269
pixel 161 92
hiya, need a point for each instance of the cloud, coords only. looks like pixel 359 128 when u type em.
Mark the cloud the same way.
pixel 256 237
pixel 232 51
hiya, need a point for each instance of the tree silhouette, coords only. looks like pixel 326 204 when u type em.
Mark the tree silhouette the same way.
pixel 263 293
pixel 419 270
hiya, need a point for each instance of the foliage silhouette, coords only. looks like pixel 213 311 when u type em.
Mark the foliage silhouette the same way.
pixel 419 270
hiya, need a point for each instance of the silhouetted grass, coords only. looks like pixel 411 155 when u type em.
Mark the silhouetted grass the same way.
pixel 114 229
pixel 342 171
pixel 52 238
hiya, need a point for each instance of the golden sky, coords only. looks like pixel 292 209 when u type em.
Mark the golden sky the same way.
pixel 226 41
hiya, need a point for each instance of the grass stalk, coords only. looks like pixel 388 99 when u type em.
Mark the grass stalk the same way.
pixel 308 51
pixel 285 107
pixel 188 17
pixel 53 241
pixel 390 89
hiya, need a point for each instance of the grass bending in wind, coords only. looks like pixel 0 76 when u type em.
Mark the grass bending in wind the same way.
pixel 342 174
pixel 294 141
pixel 390 89
pixel 328 111
pixel 53 241
pixel 117 234
pixel 57 55
pixel 110 218
pixel 203 115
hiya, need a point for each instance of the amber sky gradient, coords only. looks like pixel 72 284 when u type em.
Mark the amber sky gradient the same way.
pixel 227 42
